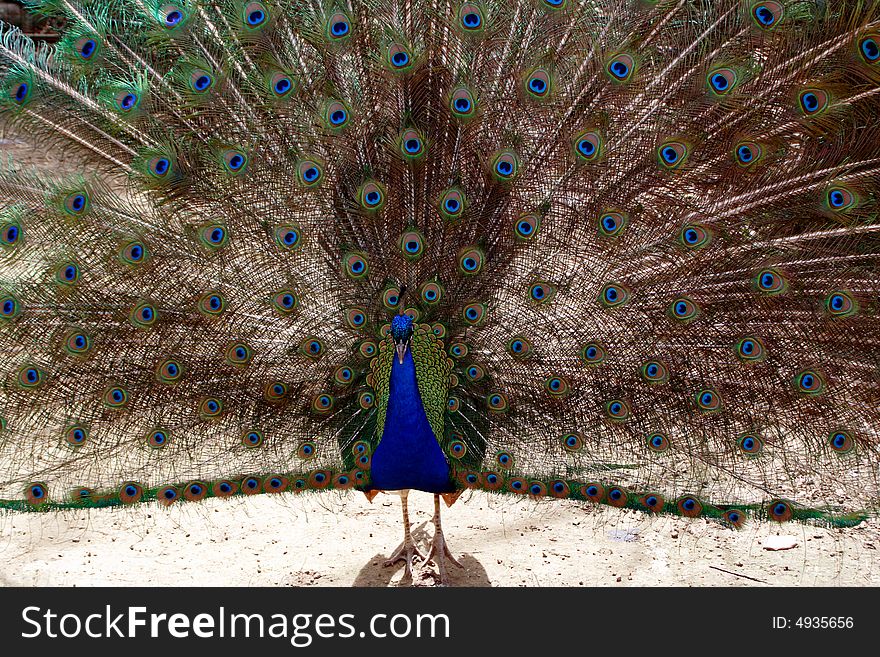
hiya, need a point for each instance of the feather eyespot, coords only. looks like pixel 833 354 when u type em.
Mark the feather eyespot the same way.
pixel 658 442
pixel 252 438
pixel 439 329
pixel 76 435
pixel 750 349
pixel 809 382
pixel 367 349
pixel 285 301
pixel 841 304
pixel 224 488
pixel 767 14
pixel 412 244
pixel 652 502
pixel 504 460
pixel 20 92
pixel 588 146
pixel 77 343
pixel 750 444
pixel 526 226
pixel 573 442
pixel 672 154
pixel 614 295
pixel 76 203
pixel 251 485
pixel 457 449
pixel 462 103
pixel 519 347
pixel 708 401
pixel 722 80
pixel 869 48
pixel 617 497
pixel 813 101
pixel 11 234
pixel 159 166
pixel 689 506
pixel 255 15
pixel 840 199
pixel 130 493
pixel 67 274
pixel 10 308
pixel 458 350
pixel 356 317
pixel 343 375
pixel 412 144
pixel 620 67
pixel 557 386
pixel 239 354
pixel 210 407
pixel 336 115
pixel 592 354
pixel 747 153
pixel 36 494
pixel 735 518
pixel 538 84
pixel 312 347
pixel 323 403
pixel 309 173
pixel 234 161
pixel 470 17
pixel 391 297
pixel 594 492
pixel 399 58
pixel 171 16
pixel 841 441
pixel 654 372
pixel 431 293
pixel 684 309
pixel 371 196
pixel 144 315
pixel 115 397
pixel 452 204
pixel 612 224
pixel 694 236
pixel 275 391
pixel 214 236
pixel 169 371
pixel 540 292
pixel 497 402
pixel 771 281
pixel 212 304
pixel 31 376
pixel 355 265
pixel 86 48
pixel 134 253
pixel 474 313
pixel 366 400
pixel 125 101
pixel 287 237
pixel 158 438
pixel 200 81
pixel 505 166
pixel 779 510
pixel 617 410
pixel 453 404
pixel 281 84
pixel 338 27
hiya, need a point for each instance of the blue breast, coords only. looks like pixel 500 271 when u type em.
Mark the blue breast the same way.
pixel 408 455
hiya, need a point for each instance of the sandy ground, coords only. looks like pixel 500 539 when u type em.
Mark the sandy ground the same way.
pixel 341 540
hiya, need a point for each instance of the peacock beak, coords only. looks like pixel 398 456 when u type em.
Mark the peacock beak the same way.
pixel 400 347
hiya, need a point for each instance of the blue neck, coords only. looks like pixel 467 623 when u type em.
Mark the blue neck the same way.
pixel 408 455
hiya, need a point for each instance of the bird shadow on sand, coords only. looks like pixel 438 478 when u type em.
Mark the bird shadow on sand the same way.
pixel 376 574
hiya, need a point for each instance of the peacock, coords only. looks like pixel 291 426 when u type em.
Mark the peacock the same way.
pixel 622 252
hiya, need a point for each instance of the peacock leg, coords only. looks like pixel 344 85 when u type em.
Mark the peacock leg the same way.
pixel 439 550
pixel 408 550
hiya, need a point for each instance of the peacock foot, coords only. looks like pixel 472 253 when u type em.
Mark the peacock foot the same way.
pixel 407 553
pixel 439 553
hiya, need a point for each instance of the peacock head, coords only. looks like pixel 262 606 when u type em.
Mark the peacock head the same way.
pixel 401 332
